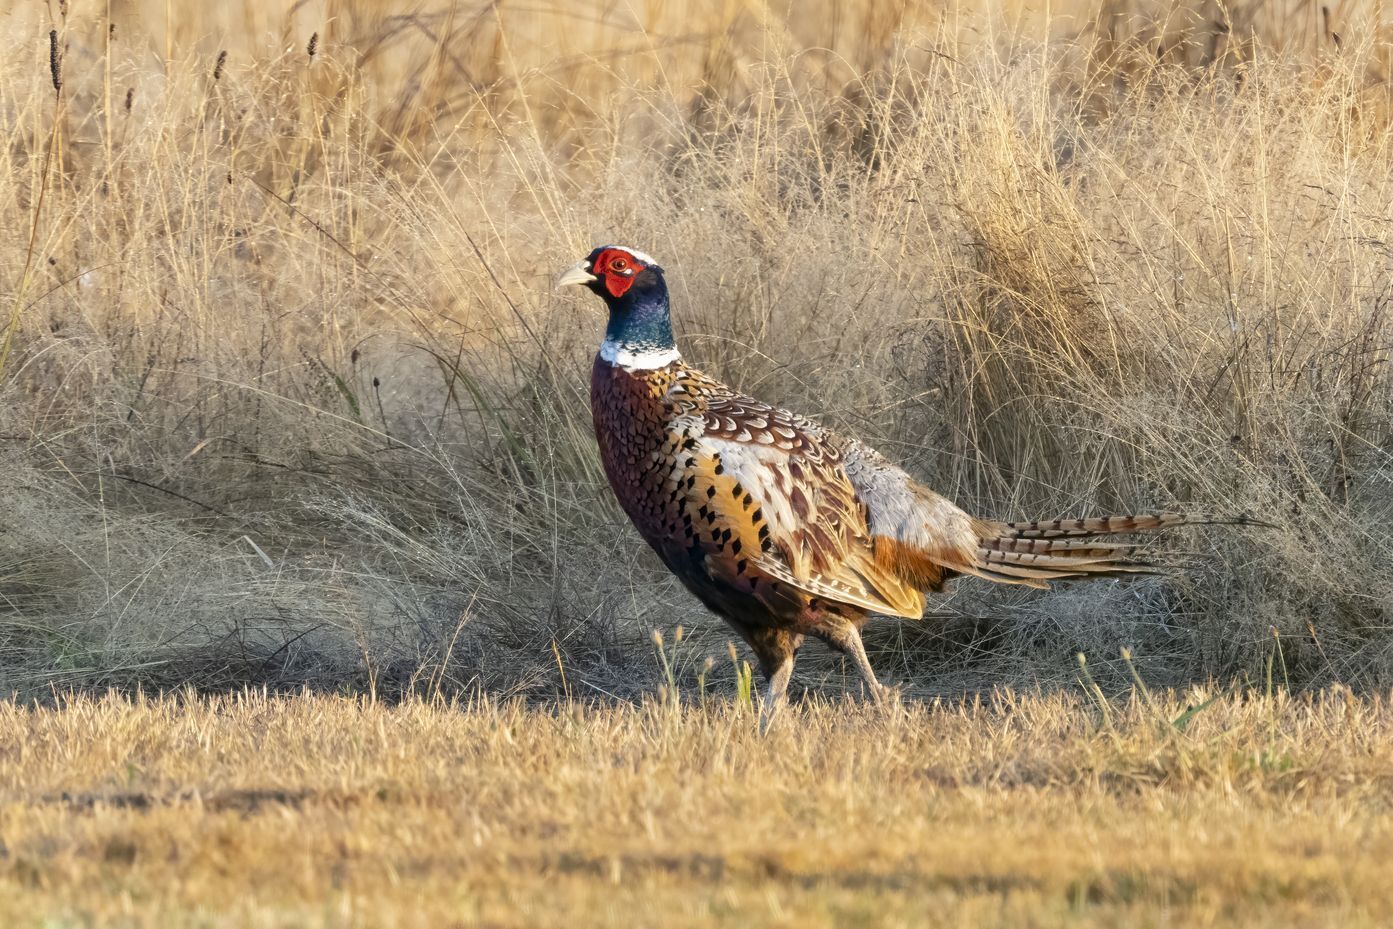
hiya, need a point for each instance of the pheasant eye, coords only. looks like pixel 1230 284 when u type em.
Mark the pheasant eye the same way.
pixel 618 264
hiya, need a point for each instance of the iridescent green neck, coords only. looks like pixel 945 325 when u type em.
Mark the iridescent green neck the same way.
pixel 639 334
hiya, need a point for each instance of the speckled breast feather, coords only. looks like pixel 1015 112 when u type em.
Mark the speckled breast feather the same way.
pixel 748 504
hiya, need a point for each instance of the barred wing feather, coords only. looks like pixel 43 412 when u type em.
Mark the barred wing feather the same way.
pixel 796 504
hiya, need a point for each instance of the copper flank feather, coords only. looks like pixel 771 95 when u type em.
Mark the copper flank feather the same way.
pixel 779 526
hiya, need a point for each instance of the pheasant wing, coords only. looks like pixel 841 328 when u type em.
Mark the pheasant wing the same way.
pixel 771 496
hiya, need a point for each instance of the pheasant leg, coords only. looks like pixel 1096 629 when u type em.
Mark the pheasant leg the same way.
pixel 775 649
pixel 846 638
pixel 775 693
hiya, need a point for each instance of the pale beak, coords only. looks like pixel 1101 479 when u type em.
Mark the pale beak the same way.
pixel 580 274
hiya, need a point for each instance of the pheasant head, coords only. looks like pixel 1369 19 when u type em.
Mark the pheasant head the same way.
pixel 639 332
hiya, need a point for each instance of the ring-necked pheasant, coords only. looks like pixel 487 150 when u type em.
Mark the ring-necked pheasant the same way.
pixel 778 525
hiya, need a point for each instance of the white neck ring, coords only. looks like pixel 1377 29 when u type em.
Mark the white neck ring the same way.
pixel 637 357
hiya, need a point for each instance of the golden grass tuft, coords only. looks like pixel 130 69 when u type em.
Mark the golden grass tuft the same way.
pixel 287 396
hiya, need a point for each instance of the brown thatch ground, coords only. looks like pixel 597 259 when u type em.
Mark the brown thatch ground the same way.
pixel 1017 810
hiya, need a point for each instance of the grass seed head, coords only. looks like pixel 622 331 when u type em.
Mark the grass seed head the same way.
pixel 55 61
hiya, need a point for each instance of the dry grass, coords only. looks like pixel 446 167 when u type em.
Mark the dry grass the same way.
pixel 288 397
pixel 1017 810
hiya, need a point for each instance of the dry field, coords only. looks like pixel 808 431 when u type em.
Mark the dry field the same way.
pixel 287 401
pixel 308 811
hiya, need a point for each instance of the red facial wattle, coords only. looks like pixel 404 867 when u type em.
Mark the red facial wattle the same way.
pixel 617 268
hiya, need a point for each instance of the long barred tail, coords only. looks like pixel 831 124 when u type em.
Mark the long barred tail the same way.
pixel 1036 553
